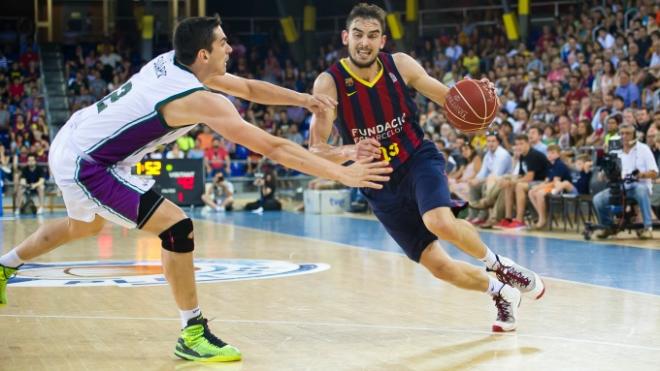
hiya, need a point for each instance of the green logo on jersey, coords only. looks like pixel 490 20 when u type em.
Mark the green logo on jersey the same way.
pixel 114 96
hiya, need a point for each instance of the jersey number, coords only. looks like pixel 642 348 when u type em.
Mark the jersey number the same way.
pixel 114 96
pixel 391 151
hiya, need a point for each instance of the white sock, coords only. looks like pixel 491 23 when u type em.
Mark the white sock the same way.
pixel 187 315
pixel 490 259
pixel 11 259
pixel 494 286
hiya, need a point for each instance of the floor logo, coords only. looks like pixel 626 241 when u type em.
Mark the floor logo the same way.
pixel 136 274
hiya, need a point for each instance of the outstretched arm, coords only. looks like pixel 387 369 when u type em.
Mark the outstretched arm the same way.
pixel 218 113
pixel 416 77
pixel 321 128
pixel 266 93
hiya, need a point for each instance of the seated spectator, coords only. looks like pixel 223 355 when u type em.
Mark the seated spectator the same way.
pixel 584 131
pixel 636 161
pixel 557 174
pixel 205 138
pixel 459 181
pixel 185 143
pixel 496 163
pixel 532 168
pixel 534 134
pixel 175 152
pixel 219 195
pixel 580 178
pixel 294 135
pixel 628 90
pixel 267 187
pixel 31 179
pixel 21 130
pixel 196 152
pixel 217 159
pixel 612 128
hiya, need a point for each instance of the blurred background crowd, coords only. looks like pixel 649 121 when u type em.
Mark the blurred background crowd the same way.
pixel 565 90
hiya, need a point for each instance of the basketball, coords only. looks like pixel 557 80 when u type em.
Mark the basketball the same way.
pixel 471 106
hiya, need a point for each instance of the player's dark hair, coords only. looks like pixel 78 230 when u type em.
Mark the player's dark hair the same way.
pixel 193 34
pixel 366 11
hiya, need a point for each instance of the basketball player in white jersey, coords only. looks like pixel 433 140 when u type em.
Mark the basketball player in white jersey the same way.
pixel 91 157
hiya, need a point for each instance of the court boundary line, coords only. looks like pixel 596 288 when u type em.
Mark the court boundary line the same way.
pixel 342 325
pixel 401 254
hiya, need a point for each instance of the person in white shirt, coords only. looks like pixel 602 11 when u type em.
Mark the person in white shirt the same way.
pixel 496 163
pixel 219 195
pixel 605 39
pixel 175 153
pixel 636 158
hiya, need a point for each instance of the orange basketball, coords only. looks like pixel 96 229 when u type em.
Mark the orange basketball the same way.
pixel 471 106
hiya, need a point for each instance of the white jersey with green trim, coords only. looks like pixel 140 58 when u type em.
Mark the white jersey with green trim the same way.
pixel 125 125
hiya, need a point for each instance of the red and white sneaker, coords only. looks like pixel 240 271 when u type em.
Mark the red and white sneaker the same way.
pixel 507 302
pixel 502 224
pixel 516 224
pixel 477 222
pixel 516 275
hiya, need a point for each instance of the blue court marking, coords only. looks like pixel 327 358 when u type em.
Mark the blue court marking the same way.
pixel 609 265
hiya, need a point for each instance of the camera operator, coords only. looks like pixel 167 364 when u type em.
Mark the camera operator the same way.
pixel 267 201
pixel 638 169
pixel 219 195
pixel 31 179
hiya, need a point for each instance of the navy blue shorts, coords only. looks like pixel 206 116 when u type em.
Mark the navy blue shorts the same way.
pixel 417 186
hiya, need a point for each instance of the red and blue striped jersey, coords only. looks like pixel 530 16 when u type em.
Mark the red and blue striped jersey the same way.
pixel 382 109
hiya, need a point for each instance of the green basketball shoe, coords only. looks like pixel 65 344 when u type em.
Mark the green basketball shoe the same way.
pixel 197 343
pixel 5 274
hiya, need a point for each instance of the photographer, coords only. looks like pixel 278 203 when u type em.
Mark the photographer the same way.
pixel 267 201
pixel 219 195
pixel 31 179
pixel 637 165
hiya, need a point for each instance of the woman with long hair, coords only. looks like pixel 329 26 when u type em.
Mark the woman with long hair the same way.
pixel 607 78
pixel 459 182
pixel 584 130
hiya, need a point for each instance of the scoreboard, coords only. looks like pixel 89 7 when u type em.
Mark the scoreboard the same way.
pixel 179 180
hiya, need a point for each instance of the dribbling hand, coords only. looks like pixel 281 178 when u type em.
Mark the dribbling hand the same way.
pixel 491 86
pixel 366 174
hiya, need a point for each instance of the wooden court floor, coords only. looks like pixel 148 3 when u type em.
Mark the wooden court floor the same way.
pixel 369 310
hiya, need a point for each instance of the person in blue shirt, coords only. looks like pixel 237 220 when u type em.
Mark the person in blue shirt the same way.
pixel 628 90
pixel 580 178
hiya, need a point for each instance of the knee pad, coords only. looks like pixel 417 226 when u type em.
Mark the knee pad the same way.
pixel 179 237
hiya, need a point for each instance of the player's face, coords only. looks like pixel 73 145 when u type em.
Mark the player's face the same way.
pixel 364 39
pixel 219 56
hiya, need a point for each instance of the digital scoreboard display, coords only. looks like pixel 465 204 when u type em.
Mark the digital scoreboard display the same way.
pixel 180 181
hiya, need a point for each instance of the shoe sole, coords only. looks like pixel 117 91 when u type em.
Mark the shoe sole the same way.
pixel 539 295
pixel 214 359
pixel 500 329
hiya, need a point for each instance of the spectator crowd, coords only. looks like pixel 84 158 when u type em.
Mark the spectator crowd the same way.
pixel 565 90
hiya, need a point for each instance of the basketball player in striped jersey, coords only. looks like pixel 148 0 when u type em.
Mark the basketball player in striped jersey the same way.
pixel 377 118
pixel 93 153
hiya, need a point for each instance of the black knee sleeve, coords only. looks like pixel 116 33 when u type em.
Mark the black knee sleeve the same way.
pixel 179 237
